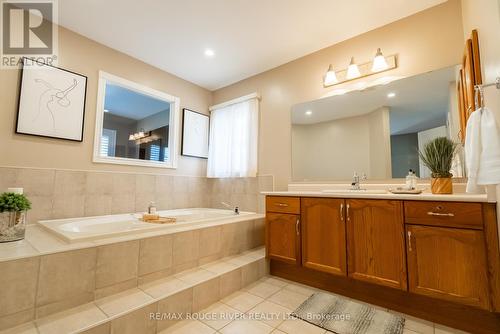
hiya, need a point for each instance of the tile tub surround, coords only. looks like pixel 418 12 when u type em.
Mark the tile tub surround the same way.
pixel 57 194
pixel 53 276
pixel 244 192
pixel 131 311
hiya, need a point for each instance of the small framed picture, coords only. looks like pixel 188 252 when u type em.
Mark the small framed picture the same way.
pixel 51 102
pixel 195 131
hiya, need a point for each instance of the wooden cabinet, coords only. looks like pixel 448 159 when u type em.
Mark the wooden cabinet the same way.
pixel 324 235
pixel 448 263
pixel 283 237
pixel 376 243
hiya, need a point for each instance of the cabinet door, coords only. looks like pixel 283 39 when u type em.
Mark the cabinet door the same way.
pixel 323 235
pixel 283 237
pixel 447 263
pixel 375 237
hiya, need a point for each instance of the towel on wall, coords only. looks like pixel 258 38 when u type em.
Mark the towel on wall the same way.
pixel 482 150
pixel 472 149
pixel 489 164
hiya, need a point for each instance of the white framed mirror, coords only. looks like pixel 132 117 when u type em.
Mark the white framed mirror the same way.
pixel 135 125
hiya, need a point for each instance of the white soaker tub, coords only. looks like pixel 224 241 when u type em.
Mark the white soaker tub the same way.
pixel 92 228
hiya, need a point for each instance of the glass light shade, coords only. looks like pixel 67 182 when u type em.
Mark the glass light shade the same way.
pixel 353 70
pixel 131 137
pixel 330 77
pixel 379 62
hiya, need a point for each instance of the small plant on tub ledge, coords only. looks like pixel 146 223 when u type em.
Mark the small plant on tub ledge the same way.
pixel 13 209
pixel 438 155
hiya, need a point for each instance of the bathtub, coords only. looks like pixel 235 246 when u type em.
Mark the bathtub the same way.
pixel 93 228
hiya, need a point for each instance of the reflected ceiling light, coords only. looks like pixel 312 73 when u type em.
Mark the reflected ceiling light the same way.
pixel 139 135
pixel 379 62
pixel 209 53
pixel 391 95
pixel 330 76
pixel 106 110
pixel 352 70
pixel 309 113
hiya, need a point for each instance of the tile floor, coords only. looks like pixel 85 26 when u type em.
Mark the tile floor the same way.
pixel 264 306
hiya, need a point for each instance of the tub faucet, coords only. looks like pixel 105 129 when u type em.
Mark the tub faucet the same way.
pixel 356 181
pixel 235 209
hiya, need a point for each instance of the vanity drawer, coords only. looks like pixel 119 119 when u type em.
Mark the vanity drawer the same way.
pixel 283 204
pixel 446 214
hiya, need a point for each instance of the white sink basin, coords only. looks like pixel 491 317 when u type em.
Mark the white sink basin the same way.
pixel 352 191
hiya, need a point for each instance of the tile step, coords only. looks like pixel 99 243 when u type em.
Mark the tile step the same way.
pixel 252 265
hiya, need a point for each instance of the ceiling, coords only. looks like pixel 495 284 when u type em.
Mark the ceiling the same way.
pixel 247 36
pixel 126 103
pixel 421 102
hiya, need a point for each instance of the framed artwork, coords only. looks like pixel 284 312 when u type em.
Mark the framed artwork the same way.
pixel 51 102
pixel 195 130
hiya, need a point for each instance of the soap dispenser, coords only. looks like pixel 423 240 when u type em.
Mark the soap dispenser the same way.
pixel 152 208
pixel 410 180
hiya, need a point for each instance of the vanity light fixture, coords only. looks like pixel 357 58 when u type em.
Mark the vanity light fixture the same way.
pixel 352 70
pixel 355 71
pixel 391 95
pixel 379 62
pixel 139 135
pixel 330 77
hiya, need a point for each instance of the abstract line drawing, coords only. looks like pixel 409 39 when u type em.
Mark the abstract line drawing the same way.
pixel 51 102
pixel 53 95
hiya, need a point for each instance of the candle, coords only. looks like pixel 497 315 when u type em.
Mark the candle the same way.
pixel 15 190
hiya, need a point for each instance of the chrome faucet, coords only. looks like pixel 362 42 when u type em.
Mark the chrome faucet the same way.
pixel 356 181
pixel 235 209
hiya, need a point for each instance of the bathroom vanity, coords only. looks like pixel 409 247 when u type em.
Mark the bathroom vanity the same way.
pixel 435 257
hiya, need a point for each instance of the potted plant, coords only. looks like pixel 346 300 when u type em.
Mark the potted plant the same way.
pixel 13 209
pixel 437 155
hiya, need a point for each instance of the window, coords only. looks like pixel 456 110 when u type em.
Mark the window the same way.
pixel 108 143
pixel 234 130
pixel 154 153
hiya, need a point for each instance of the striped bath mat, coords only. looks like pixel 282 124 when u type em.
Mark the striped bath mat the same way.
pixel 344 316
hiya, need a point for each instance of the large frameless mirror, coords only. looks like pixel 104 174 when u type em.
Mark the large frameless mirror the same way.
pixel 135 125
pixel 377 131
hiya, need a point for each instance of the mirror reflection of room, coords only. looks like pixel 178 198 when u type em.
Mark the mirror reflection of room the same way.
pixel 377 131
pixel 135 126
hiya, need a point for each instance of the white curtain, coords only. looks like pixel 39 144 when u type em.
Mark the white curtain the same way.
pixel 234 131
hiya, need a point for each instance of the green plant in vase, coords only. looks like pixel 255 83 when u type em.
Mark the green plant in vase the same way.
pixel 438 155
pixel 13 208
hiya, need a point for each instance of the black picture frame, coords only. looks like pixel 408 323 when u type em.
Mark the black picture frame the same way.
pixel 21 95
pixel 183 153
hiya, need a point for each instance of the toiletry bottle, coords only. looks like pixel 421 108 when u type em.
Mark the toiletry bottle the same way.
pixel 152 208
pixel 414 180
pixel 409 181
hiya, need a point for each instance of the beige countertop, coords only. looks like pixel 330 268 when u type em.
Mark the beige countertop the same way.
pixel 425 196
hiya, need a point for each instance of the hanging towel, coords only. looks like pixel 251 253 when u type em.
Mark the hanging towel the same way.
pixel 489 161
pixel 472 149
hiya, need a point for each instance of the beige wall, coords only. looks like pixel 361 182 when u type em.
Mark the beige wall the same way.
pixel 82 55
pixel 318 148
pixel 379 144
pixel 429 40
